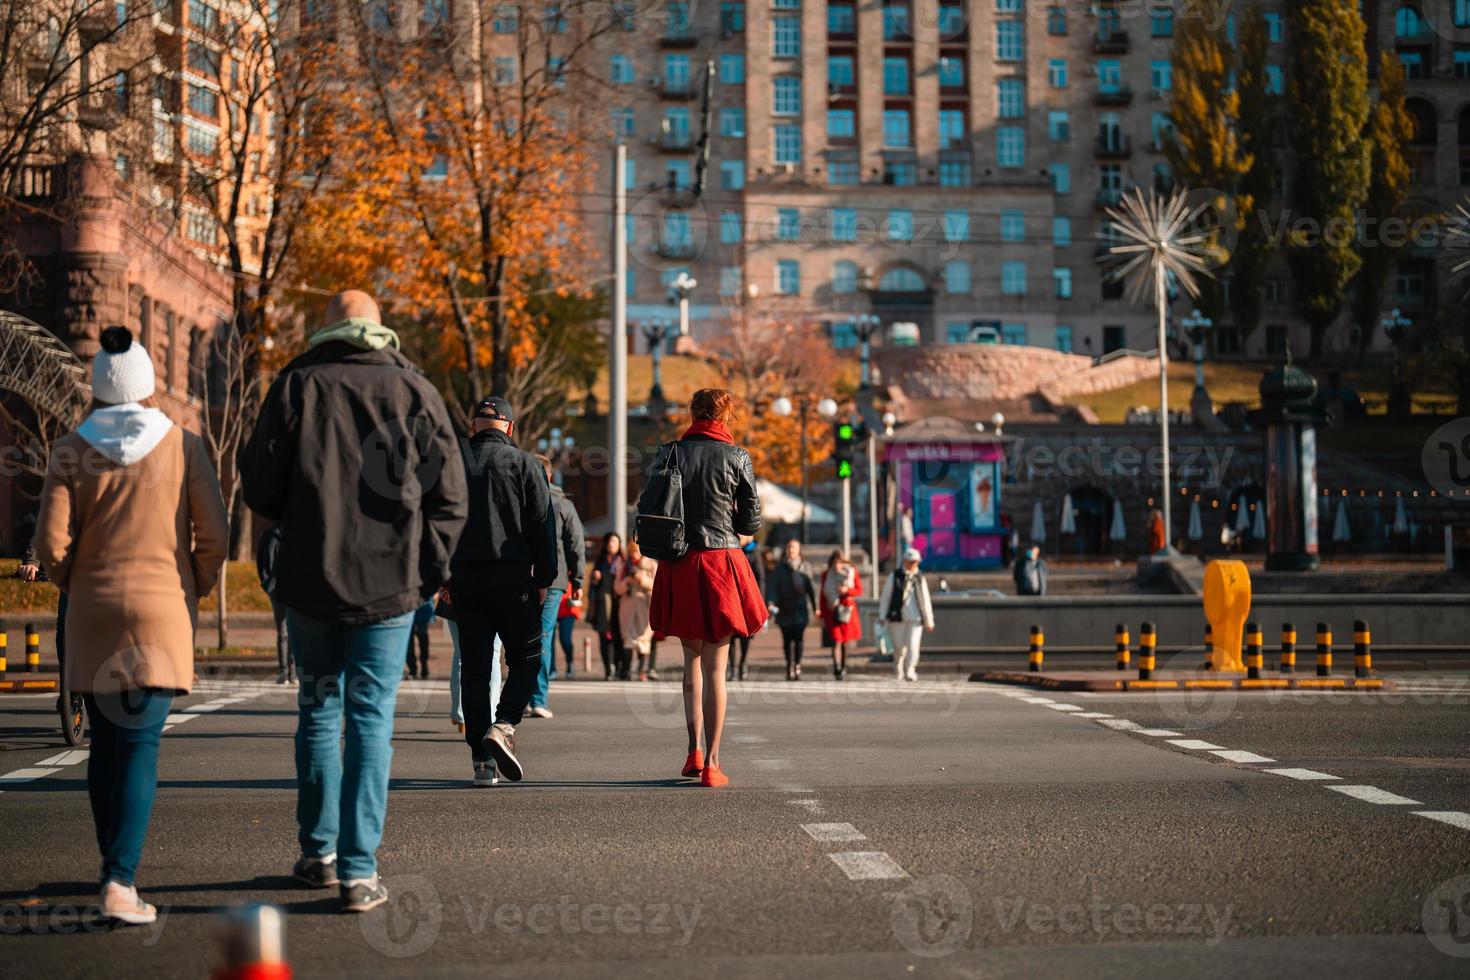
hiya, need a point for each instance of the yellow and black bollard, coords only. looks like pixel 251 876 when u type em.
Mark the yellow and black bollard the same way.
pixel 33 648
pixel 1253 656
pixel 1362 649
pixel 1324 649
pixel 1036 653
pixel 1120 643
pixel 1148 641
pixel 4 645
pixel 1209 646
pixel 1288 648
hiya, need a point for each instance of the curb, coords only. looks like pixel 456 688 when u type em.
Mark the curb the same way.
pixel 1332 684
pixel 28 686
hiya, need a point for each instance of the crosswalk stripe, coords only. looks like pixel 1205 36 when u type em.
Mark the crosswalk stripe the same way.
pixel 868 865
pixel 1454 818
pixel 833 833
pixel 1372 794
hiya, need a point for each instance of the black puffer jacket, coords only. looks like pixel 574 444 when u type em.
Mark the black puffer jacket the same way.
pixel 720 499
pixel 512 520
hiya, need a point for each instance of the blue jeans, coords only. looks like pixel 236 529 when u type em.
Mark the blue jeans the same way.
pixel 342 797
pixel 456 701
pixel 122 773
pixel 549 610
pixel 564 628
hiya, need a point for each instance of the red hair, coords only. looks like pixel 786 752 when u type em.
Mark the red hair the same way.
pixel 713 405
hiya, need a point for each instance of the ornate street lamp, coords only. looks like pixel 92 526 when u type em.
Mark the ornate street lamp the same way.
pixel 827 409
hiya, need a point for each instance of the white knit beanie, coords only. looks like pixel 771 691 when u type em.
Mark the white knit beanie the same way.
pixel 122 371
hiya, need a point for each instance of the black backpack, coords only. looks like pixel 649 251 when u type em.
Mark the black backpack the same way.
pixel 659 527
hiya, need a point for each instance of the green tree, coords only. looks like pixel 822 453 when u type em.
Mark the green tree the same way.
pixel 1329 112
pixel 1390 128
pixel 1254 124
pixel 1204 151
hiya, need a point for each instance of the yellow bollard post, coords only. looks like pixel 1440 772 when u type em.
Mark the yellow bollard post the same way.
pixel 1362 649
pixel 1120 645
pixel 1227 602
pixel 1036 653
pixel 1288 648
pixel 1324 649
pixel 1148 640
pixel 1254 659
pixel 4 645
pixel 33 648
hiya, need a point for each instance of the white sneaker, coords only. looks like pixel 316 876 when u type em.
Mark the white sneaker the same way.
pixel 913 675
pixel 485 773
pixel 121 904
pixel 541 711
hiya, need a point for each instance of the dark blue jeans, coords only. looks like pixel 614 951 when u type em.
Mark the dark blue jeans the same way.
pixel 548 647
pixel 122 773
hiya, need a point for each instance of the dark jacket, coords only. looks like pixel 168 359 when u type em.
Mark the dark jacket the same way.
pixel 720 499
pixel 354 457
pixel 1030 575
pixel 793 593
pixel 571 542
pixel 511 522
pixel 267 552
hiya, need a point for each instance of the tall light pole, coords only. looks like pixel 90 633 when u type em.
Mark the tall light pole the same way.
pixel 617 377
pixel 827 408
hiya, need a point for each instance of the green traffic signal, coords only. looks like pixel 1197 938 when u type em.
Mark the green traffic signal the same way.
pixel 844 469
pixel 844 431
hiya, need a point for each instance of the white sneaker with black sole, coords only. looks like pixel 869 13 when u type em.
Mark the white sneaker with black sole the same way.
pixel 485 774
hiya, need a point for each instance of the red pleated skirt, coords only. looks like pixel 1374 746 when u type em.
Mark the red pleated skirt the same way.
pixel 707 595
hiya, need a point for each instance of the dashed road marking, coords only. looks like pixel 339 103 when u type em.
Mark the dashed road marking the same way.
pixel 1194 743
pixel 868 865
pixel 812 806
pixel 1372 794
pixel 1301 773
pixel 1094 714
pixel 1119 724
pixel 833 833
pixel 1454 818
pixel 68 758
pixel 26 775
pixel 1239 755
pixel 178 719
pixel 1158 732
pixel 200 709
pixel 1065 707
pixel 1038 701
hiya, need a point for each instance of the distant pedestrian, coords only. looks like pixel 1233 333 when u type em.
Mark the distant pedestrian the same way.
pixel 906 607
pixel 571 547
pixel 602 604
pixel 635 592
pixel 1030 572
pixel 423 618
pixel 1157 542
pixel 267 550
pixel 840 588
pixel 505 563
pixel 566 625
pixel 740 651
pixel 792 598
pixel 709 595
pixel 354 458
pixel 133 530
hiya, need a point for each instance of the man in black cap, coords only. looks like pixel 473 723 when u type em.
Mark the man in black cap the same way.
pixel 505 561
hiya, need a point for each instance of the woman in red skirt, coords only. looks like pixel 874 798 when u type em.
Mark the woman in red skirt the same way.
pixel 709 595
pixel 840 588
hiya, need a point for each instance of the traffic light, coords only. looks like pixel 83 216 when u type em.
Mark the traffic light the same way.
pixel 842 437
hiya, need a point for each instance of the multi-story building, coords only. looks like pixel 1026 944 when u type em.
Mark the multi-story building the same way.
pixel 947 164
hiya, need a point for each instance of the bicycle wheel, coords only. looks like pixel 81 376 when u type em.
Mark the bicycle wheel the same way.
pixel 73 718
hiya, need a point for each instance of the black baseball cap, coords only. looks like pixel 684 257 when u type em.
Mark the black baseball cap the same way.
pixel 495 408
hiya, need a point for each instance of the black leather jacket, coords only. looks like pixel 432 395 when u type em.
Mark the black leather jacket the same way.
pixel 720 499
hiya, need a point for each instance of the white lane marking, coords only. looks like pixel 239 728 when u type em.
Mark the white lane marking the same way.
pixel 1239 755
pixel 26 775
pixel 1038 700
pixel 868 865
pixel 833 833
pixel 1158 732
pixel 165 728
pixel 772 763
pixel 813 807
pixel 1372 794
pixel 1065 707
pixel 1194 743
pixel 1301 773
pixel 1454 818
pixel 200 709
pixel 1120 724
pixel 68 758
pixel 178 719
pixel 1094 714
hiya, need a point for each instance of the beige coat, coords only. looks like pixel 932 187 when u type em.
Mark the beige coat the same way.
pixel 635 586
pixel 133 547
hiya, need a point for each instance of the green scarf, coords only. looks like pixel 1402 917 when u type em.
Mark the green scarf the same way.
pixel 359 332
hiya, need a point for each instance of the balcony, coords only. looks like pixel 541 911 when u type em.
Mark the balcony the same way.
pixel 1110 40
pixel 678 37
pixel 1120 95
pixel 672 142
pixel 40 182
pixel 675 88
pixel 1113 147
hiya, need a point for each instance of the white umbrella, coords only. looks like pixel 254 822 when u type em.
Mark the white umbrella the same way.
pixel 1069 516
pixel 1196 524
pixel 1340 529
pixel 1400 518
pixel 1258 529
pixel 1118 532
pixel 781 506
pixel 1242 514
pixel 1038 524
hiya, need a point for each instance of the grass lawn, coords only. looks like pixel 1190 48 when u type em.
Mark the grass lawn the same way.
pixel 17 597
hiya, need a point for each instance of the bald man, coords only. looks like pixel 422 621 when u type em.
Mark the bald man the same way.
pixel 354 457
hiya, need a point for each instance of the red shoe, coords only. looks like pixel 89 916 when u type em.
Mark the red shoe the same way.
pixel 713 777
pixel 693 765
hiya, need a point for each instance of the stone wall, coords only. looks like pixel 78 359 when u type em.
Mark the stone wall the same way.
pixel 1002 372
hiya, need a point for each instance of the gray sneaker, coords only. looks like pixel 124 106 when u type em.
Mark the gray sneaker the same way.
pixel 500 745
pixel 485 773
pixel 316 872
pixel 363 894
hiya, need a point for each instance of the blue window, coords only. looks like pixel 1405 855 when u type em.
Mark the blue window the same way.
pixel 957 276
pixel 841 19
pixel 896 128
pixel 732 69
pixel 896 76
pixel 1012 226
pixel 841 124
pixel 951 72
pixel 1064 338
pixel 1010 40
pixel 1061 178
pixel 840 71
pixel 844 276
pixel 956 226
pixel 1013 333
pixel 788 277
pixel 786 95
pixel 787 143
pixel 951 128
pixel 844 224
pixel 1058 126
pixel 786 37
pixel 788 225
pixel 732 121
pixel 1010 93
pixel 1010 146
pixel 900 225
pixel 1056 72
pixel 1061 231
pixel 1013 279
pixel 730 232
pixel 622 70
pixel 1063 280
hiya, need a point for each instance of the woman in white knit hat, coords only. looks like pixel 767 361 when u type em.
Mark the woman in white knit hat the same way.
pixel 133 529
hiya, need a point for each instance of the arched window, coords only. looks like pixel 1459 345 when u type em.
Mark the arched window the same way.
pixel 901 280
pixel 1408 23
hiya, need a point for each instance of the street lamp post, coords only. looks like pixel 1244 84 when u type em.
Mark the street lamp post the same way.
pixel 827 409
pixel 680 291
pixel 1396 328
pixel 1197 327
pixel 656 332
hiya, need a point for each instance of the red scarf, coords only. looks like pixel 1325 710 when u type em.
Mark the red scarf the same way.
pixel 712 428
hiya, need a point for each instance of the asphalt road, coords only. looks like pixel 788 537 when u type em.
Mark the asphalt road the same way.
pixel 871 829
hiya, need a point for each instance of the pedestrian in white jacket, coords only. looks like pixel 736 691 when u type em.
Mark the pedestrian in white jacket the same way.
pixel 905 607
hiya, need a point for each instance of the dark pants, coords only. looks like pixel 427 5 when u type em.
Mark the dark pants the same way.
pixel 122 774
pixel 283 646
pixel 420 635
pixel 611 648
pixel 742 649
pixel 491 601
pixel 791 641
pixel 564 628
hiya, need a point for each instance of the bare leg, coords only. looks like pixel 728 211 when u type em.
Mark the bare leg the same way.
pixel 692 688
pixel 713 664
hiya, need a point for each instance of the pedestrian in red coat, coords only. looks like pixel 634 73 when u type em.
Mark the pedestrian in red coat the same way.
pixel 840 588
